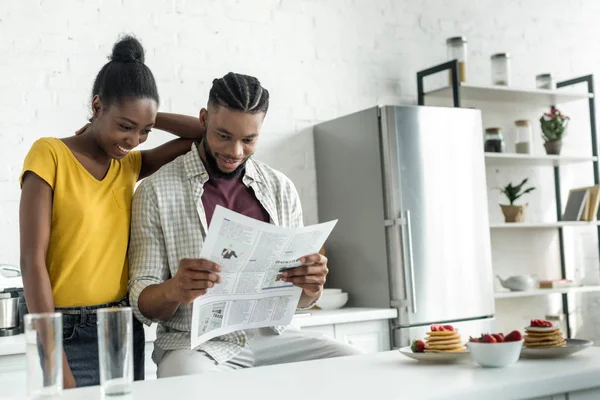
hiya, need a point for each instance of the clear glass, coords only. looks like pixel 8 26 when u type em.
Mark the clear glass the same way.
pixel 457 50
pixel 493 141
pixel 545 81
pixel 115 350
pixel 44 349
pixel 501 70
pixel 523 137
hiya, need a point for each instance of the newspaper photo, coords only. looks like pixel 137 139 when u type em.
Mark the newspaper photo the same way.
pixel 252 255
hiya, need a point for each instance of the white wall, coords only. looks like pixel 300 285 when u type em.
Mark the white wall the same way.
pixel 319 58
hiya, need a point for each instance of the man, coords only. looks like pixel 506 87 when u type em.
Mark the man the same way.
pixel 171 213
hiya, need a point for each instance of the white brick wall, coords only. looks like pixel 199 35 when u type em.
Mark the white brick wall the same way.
pixel 319 58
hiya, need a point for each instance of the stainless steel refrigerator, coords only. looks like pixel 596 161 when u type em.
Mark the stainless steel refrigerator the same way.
pixel 408 186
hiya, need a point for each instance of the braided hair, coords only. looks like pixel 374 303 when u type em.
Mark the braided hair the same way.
pixel 239 92
pixel 125 75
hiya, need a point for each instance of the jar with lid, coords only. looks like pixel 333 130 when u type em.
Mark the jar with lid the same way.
pixel 501 69
pixel 523 136
pixel 457 50
pixel 493 141
pixel 545 81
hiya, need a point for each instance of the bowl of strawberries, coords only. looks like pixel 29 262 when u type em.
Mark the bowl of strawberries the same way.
pixel 495 349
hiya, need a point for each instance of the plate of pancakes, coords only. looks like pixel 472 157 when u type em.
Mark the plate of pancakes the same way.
pixel 440 346
pixel 548 342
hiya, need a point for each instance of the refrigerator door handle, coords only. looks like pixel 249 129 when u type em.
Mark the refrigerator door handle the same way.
pixel 411 268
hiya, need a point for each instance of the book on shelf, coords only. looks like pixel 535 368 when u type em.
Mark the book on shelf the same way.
pixel 555 283
pixel 576 205
pixel 582 204
pixel 593 203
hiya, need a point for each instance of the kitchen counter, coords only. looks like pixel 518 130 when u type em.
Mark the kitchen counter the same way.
pixel 16 344
pixel 387 375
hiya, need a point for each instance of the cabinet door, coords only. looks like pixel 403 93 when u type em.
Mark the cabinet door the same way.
pixel 370 336
pixel 327 330
pixel 149 366
pixel 13 376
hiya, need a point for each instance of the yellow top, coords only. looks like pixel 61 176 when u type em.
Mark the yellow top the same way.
pixel 87 252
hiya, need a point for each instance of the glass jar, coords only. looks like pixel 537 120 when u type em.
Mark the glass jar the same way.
pixel 523 136
pixel 545 81
pixel 457 50
pixel 501 69
pixel 493 141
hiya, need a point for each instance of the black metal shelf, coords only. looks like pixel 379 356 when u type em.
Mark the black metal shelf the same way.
pixel 590 96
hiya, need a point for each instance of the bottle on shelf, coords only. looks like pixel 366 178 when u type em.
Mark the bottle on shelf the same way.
pixel 493 141
pixel 457 50
pixel 545 81
pixel 523 136
pixel 500 69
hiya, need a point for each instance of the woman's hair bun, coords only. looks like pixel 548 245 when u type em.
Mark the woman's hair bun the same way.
pixel 128 49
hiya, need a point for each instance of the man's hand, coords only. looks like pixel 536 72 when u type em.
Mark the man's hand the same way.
pixel 310 276
pixel 193 278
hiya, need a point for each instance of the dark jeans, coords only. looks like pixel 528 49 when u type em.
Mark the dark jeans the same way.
pixel 80 341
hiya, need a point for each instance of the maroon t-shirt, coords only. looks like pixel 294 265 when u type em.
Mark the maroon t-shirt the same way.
pixel 234 195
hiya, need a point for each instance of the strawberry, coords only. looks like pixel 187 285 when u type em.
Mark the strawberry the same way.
pixel 449 328
pixel 417 346
pixel 487 338
pixel 473 339
pixel 499 337
pixel 514 336
pixel 540 323
pixel 437 328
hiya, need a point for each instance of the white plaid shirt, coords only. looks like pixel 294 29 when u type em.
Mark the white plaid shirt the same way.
pixel 168 223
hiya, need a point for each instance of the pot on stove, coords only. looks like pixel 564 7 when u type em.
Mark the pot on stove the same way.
pixel 12 301
pixel 9 308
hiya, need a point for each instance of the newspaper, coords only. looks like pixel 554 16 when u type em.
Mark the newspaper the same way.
pixel 252 255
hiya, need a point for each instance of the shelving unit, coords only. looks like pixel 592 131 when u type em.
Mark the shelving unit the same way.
pixel 545 292
pixel 544 225
pixel 507 94
pixel 458 91
pixel 513 159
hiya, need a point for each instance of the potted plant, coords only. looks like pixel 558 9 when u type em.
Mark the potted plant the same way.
pixel 512 212
pixel 554 127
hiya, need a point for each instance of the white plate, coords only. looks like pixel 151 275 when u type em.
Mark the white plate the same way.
pixel 572 346
pixel 435 357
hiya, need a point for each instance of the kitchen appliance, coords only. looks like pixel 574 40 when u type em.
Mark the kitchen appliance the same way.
pixel 12 301
pixel 408 186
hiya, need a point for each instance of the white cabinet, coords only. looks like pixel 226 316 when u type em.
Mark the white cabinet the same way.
pixel 327 330
pixel 370 336
pixel 12 375
pixel 149 367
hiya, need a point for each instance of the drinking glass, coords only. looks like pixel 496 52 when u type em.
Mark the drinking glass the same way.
pixel 43 338
pixel 115 350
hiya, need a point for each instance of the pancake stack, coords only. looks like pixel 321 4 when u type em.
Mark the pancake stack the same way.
pixel 443 342
pixel 537 337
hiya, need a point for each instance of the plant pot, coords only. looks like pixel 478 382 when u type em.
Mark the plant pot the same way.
pixel 513 213
pixel 553 147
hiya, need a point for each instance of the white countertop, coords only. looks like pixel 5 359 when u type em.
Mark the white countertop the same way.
pixel 388 375
pixel 16 344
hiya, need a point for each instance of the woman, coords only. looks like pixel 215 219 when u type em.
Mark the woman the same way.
pixel 75 209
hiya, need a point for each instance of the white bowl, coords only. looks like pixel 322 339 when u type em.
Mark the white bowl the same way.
pixel 330 291
pixel 495 354
pixel 332 301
